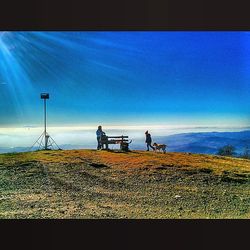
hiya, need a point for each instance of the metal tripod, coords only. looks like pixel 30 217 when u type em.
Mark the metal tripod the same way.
pixel 45 141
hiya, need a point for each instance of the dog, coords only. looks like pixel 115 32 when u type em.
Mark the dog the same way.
pixel 160 147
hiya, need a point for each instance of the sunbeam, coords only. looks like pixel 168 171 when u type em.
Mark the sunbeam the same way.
pixel 59 62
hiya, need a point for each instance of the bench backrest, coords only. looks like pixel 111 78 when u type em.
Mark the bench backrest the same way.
pixel 114 139
pixel 117 137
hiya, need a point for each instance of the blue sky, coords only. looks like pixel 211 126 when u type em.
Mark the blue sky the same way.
pixel 199 78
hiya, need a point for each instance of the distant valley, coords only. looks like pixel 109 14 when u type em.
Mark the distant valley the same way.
pixel 206 142
pixel 199 142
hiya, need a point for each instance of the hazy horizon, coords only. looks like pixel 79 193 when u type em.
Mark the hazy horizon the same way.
pixel 85 137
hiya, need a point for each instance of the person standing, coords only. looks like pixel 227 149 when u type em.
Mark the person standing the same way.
pixel 148 141
pixel 99 134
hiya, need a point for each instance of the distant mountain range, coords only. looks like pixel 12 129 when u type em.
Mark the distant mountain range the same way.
pixel 13 149
pixel 202 143
pixel 206 142
pixel 26 149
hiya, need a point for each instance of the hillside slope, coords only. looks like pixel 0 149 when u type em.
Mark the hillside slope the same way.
pixel 100 184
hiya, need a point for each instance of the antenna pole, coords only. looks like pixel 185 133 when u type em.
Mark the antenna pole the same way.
pixel 48 140
pixel 45 132
pixel 45 116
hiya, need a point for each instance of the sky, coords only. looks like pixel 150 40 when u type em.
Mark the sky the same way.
pixel 125 78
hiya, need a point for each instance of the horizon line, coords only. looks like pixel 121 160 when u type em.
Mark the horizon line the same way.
pixel 149 126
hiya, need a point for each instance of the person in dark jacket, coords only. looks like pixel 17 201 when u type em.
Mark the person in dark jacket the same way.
pixel 99 135
pixel 148 141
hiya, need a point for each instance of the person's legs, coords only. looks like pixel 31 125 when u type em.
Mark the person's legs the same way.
pixel 149 145
pixel 99 143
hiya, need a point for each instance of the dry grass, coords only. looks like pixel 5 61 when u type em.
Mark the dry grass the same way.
pixel 100 184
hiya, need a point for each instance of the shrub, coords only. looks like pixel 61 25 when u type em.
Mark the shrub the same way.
pixel 227 150
pixel 246 153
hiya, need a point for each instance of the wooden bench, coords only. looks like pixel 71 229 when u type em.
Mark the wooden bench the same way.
pixel 122 140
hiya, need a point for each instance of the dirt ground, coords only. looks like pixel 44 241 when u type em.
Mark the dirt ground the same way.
pixel 101 184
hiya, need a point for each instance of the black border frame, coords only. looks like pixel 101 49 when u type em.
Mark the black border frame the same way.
pixel 126 15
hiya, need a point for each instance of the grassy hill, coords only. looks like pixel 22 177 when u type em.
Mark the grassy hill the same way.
pixel 100 184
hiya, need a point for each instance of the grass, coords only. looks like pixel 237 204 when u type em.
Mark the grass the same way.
pixel 100 184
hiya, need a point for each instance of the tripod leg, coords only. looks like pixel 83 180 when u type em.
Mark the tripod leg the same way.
pixel 41 142
pixel 36 141
pixel 54 142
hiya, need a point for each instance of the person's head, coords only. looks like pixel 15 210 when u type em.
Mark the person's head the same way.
pixel 99 127
pixel 146 132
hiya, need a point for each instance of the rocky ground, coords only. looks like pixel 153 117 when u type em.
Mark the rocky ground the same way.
pixel 100 184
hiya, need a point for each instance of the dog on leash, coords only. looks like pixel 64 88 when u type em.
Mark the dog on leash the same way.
pixel 160 147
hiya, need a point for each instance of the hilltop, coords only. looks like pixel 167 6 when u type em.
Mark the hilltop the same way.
pixel 100 184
